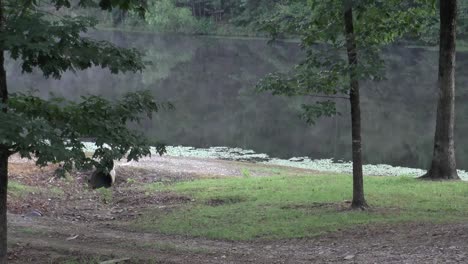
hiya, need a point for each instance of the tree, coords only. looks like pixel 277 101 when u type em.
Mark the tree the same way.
pixel 358 183
pixel 329 33
pixel 35 33
pixel 443 165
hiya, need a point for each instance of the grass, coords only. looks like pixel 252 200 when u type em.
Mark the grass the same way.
pixel 247 208
pixel 17 189
pixel 29 231
pixel 106 195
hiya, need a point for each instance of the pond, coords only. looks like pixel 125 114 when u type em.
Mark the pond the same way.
pixel 211 80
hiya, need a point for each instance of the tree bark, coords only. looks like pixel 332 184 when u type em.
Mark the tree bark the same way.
pixel 3 204
pixel 359 201
pixel 443 166
pixel 4 151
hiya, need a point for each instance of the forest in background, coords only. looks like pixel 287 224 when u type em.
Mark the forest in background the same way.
pixel 230 18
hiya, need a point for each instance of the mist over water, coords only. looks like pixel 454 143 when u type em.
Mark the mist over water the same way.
pixel 211 82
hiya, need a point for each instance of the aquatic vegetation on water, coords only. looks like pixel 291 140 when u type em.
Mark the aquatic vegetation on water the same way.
pixel 325 165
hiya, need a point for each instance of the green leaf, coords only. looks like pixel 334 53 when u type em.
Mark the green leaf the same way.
pixel 53 130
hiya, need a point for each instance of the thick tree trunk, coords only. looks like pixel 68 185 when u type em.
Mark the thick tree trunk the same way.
pixel 4 153
pixel 443 164
pixel 358 182
pixel 3 204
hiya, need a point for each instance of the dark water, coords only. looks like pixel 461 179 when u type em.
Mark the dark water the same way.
pixel 211 80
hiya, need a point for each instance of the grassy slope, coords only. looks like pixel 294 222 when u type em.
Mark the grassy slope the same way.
pixel 288 207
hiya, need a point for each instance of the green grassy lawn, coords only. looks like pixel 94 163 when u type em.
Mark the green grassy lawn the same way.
pixel 17 189
pixel 293 207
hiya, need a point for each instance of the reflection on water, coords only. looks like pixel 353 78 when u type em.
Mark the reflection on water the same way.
pixel 210 81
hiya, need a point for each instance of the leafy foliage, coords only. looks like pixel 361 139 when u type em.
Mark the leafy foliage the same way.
pixel 430 33
pixel 325 71
pixel 55 44
pixel 216 17
pixel 52 131
pixel 109 5
pixel 248 12
pixel 165 16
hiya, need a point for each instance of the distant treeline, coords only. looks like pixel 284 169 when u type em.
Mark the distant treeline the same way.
pixel 227 17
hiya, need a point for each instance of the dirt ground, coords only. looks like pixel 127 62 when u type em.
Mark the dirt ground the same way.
pixel 62 221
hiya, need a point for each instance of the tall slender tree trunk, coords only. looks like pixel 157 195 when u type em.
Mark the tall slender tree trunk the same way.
pixel 358 182
pixel 443 164
pixel 4 151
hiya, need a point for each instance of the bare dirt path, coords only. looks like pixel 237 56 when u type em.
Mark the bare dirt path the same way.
pixel 377 244
pixel 78 224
